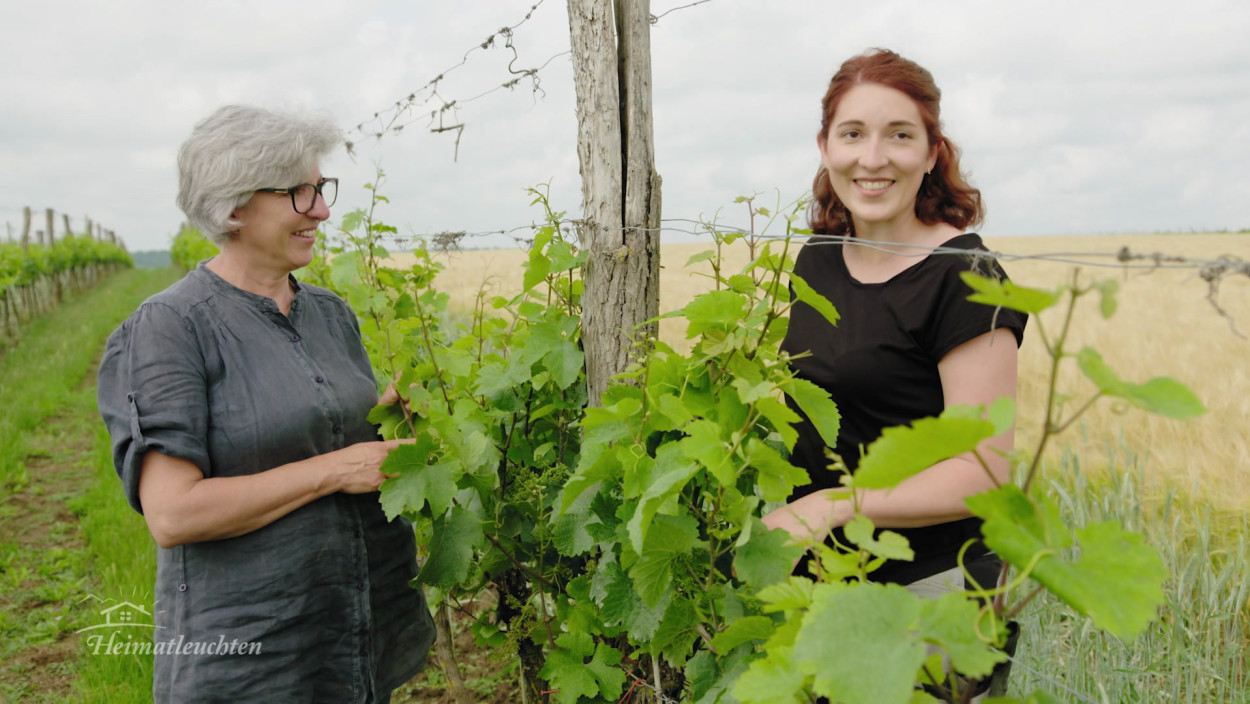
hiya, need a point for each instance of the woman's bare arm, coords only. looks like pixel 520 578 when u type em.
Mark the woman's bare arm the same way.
pixel 182 506
pixel 974 373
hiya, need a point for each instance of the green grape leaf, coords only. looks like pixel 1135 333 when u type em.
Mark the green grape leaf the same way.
pixel 701 673
pixel 678 631
pixel 860 644
pixel 808 295
pixel 620 604
pixel 559 354
pixel 344 271
pixel 1107 289
pixel 640 620
pixel 767 558
pixel 794 594
pixel 669 538
pixel 742 630
pixel 570 532
pixel 604 667
pixel 674 409
pixel 1117 580
pixel 701 257
pixel 1002 413
pixel 890 545
pixel 417 484
pixel 1161 395
pixel 777 477
pixel 773 679
pixel 905 451
pixel 538 268
pixel 562 256
pixel 566 669
pixel 950 622
pixel 713 309
pixel 387 418
pixel 1004 293
pixel 451 548
pixel 671 474
pixel 817 405
pixel 704 444
pixel 781 417
pixel 741 283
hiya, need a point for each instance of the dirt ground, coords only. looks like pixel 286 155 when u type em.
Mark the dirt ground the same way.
pixel 43 565
pixel 491 676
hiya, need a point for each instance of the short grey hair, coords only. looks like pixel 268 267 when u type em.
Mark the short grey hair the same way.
pixel 239 149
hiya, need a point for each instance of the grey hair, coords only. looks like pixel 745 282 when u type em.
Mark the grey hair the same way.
pixel 239 149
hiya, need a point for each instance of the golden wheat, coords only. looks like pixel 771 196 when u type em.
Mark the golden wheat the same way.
pixel 1166 326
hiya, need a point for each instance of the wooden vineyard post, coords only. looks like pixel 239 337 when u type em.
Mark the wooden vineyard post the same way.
pixel 611 49
pixel 50 217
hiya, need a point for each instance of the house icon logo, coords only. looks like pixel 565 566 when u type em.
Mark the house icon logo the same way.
pixel 121 615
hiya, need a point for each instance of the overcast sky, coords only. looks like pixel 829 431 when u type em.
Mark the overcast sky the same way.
pixel 1074 117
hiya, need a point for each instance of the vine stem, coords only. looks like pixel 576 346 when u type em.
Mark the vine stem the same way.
pixel 1056 356
pixel 446 653
pixel 518 564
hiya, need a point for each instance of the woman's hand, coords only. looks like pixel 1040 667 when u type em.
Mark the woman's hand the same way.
pixel 389 396
pixel 357 468
pixel 808 519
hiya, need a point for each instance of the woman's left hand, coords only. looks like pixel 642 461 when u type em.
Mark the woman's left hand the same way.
pixel 808 519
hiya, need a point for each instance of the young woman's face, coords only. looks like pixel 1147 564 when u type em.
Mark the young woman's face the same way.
pixel 877 153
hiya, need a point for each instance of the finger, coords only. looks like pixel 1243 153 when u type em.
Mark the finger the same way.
pixel 392 444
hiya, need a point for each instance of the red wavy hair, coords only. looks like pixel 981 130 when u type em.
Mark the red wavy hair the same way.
pixel 945 195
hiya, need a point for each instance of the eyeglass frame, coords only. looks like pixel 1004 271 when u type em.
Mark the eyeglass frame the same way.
pixel 316 187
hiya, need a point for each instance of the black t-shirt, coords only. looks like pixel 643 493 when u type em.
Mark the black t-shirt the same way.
pixel 880 365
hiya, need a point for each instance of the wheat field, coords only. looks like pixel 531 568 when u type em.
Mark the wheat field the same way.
pixel 1166 325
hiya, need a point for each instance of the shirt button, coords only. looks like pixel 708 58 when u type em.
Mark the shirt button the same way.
pixel 360 586
pixel 337 429
pixel 295 338
pixel 320 380
pixel 182 587
pixel 359 533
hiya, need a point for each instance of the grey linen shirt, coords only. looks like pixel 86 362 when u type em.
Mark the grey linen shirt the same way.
pixel 318 601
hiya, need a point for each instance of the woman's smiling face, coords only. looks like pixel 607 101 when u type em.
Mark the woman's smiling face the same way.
pixel 877 153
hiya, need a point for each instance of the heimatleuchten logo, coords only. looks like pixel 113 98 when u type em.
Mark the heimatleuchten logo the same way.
pixel 129 629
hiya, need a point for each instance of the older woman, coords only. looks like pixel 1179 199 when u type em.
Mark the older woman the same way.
pixel 237 401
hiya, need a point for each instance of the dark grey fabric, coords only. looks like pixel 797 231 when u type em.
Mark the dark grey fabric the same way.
pixel 219 376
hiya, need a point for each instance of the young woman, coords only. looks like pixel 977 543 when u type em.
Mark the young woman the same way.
pixel 888 196
pixel 237 401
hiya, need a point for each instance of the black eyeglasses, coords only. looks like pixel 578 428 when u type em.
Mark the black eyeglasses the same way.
pixel 304 196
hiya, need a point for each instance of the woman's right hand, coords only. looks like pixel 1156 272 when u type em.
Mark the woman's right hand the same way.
pixel 357 468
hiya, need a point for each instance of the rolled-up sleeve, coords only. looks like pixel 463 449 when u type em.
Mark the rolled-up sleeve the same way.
pixel 151 393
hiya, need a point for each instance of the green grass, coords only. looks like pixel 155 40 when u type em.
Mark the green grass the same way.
pixel 55 453
pixel 125 560
pixel 40 374
pixel 1197 649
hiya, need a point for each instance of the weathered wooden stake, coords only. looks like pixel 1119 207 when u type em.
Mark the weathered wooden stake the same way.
pixel 25 228
pixel 51 217
pixel 620 188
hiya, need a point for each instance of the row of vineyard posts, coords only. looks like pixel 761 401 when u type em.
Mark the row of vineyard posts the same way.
pixel 39 269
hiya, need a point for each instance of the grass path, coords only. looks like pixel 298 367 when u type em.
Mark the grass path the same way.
pixel 62 520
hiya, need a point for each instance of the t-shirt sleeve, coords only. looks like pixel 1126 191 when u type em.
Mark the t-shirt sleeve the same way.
pixel 152 393
pixel 958 320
